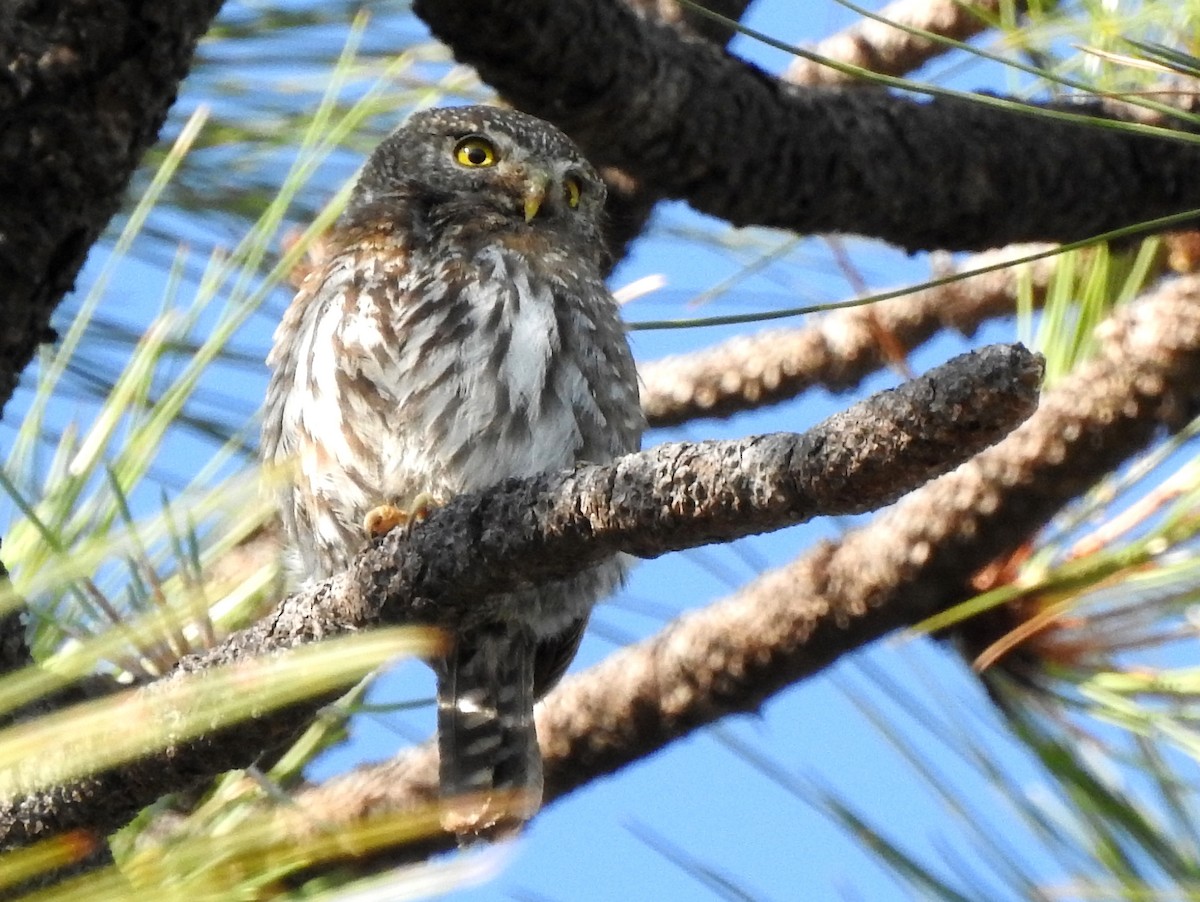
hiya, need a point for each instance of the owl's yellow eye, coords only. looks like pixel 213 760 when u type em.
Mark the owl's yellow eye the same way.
pixel 475 153
pixel 573 190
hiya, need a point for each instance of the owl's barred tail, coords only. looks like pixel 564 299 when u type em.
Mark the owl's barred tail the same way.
pixel 486 738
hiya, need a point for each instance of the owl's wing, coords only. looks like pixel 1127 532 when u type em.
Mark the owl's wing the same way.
pixel 310 415
pixel 616 391
pixel 281 421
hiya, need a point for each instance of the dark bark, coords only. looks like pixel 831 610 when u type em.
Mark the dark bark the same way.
pixel 630 201
pixel 84 88
pixel 692 122
pixel 671 497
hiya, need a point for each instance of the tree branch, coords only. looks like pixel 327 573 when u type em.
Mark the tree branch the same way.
pixel 672 497
pixel 738 144
pixel 869 44
pixel 631 202
pixel 84 89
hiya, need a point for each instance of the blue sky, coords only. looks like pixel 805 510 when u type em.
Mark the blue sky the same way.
pixel 698 794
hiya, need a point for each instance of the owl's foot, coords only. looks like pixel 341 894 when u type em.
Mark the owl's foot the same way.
pixel 381 520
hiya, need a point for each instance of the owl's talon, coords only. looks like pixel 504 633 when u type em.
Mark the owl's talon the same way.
pixel 381 520
pixel 419 510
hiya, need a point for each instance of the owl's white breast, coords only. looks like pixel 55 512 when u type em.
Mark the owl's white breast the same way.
pixel 441 378
pixel 528 317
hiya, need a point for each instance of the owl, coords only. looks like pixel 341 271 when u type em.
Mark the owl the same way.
pixel 458 332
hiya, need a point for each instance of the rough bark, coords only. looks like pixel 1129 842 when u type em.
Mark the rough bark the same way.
pixel 84 88
pixel 630 201
pixel 869 45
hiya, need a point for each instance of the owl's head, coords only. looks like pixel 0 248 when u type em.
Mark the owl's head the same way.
pixel 486 165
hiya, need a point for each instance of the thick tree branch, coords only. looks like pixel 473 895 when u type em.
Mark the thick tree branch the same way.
pixel 631 202
pixel 911 561
pixel 869 45
pixel 84 89
pixel 736 143
pixel 671 497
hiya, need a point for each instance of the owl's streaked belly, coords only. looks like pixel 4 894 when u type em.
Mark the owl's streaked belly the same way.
pixel 447 394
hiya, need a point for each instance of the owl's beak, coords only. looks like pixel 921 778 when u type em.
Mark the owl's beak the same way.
pixel 535 193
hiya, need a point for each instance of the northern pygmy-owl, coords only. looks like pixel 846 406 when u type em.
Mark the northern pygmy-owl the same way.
pixel 458 332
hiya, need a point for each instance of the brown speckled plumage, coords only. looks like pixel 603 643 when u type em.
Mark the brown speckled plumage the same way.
pixel 448 341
